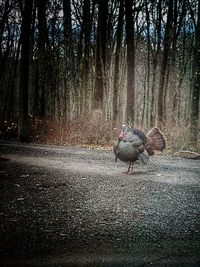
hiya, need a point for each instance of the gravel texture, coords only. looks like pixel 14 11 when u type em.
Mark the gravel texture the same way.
pixel 70 206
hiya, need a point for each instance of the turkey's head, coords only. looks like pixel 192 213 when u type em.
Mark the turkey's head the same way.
pixel 122 132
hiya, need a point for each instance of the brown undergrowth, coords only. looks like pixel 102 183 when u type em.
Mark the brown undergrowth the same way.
pixel 91 130
pixel 88 130
pixel 179 141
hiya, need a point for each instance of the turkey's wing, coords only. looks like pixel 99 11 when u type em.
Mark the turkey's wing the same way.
pixel 134 139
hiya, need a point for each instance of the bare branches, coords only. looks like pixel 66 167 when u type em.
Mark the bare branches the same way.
pixel 132 58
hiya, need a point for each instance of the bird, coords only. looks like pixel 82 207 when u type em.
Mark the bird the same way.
pixel 134 145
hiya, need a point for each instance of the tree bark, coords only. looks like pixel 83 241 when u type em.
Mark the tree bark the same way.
pixel 166 53
pixel 130 43
pixel 156 59
pixel 40 99
pixel 196 84
pixel 117 61
pixel 147 93
pixel 68 57
pixel 100 54
pixel 23 125
pixel 86 29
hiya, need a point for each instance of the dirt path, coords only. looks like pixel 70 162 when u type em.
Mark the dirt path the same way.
pixel 69 206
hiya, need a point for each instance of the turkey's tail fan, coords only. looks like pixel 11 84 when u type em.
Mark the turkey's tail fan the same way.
pixel 156 141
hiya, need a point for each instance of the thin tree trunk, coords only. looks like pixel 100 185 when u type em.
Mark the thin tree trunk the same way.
pixel 146 103
pixel 23 126
pixel 101 45
pixel 166 52
pixel 130 42
pixel 69 58
pixel 196 84
pixel 117 61
pixel 42 57
pixel 156 56
pixel 87 27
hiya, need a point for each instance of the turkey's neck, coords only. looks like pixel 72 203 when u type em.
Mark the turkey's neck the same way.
pixel 121 134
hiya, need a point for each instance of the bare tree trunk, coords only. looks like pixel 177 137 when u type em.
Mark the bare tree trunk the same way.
pixel 156 56
pixel 101 54
pixel 86 29
pixel 23 126
pixel 130 42
pixel 166 52
pixel 117 61
pixel 68 57
pixel 147 93
pixel 175 80
pixel 196 84
pixel 40 100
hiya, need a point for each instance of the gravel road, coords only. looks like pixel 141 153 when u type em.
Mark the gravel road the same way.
pixel 72 206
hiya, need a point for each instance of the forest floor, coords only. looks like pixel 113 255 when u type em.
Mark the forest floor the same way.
pixel 72 206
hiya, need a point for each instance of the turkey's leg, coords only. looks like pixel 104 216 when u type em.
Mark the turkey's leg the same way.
pixel 130 168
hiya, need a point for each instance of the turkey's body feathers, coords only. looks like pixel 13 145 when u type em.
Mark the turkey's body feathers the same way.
pixel 135 145
pixel 130 147
pixel 127 151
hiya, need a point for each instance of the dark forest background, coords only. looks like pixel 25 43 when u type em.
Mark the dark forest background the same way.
pixel 75 69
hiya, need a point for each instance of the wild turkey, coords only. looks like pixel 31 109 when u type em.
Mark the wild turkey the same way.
pixel 133 145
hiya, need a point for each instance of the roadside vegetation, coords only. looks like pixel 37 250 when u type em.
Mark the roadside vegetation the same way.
pixel 92 131
pixel 71 71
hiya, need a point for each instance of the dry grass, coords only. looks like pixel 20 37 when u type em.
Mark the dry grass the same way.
pixel 179 139
pixel 91 130
pixel 88 130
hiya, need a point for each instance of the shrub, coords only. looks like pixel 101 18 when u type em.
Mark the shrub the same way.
pixel 88 129
pixel 179 139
